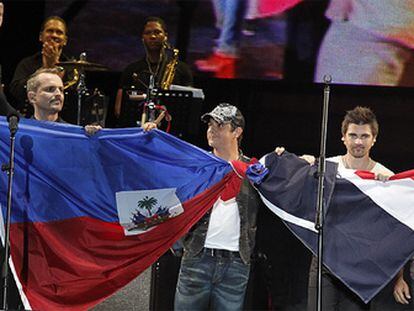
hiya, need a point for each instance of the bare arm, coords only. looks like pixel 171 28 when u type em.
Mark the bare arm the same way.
pixel 118 103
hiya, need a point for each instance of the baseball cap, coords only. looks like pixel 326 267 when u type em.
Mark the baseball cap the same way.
pixel 225 113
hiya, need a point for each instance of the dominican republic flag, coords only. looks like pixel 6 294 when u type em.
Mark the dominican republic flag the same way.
pixel 89 214
pixel 368 230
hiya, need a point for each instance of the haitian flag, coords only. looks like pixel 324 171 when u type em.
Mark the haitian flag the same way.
pixel 368 229
pixel 89 214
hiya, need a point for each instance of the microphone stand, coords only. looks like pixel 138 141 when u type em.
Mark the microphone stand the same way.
pixel 148 113
pixel 319 223
pixel 80 89
pixel 9 168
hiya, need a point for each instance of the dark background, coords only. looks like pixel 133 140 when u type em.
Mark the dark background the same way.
pixel 278 113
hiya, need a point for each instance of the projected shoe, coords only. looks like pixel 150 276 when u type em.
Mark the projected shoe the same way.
pixel 222 65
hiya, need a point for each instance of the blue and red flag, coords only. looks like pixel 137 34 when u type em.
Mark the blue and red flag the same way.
pixel 369 224
pixel 89 214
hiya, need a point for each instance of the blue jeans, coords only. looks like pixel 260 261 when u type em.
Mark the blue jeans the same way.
pixel 207 281
pixel 230 16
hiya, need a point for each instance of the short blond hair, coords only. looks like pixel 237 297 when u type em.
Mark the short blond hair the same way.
pixel 33 83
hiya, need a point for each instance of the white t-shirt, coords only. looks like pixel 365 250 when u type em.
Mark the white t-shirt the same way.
pixel 377 169
pixel 224 227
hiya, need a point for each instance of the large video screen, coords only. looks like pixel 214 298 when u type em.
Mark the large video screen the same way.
pixel 355 42
pixel 110 33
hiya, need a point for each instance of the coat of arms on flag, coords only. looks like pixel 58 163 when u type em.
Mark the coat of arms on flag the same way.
pixel 140 210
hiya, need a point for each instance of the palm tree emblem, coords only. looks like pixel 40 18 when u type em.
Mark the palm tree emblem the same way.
pixel 147 203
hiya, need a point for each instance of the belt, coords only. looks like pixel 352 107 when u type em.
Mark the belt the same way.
pixel 214 252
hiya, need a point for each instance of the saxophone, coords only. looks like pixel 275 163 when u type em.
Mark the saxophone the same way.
pixel 73 81
pixel 170 67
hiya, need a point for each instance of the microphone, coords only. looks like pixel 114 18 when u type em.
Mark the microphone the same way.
pixel 327 79
pixel 13 119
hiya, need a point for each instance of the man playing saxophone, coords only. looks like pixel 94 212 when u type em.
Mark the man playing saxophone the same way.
pixel 158 68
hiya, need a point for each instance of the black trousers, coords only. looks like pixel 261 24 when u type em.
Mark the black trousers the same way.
pixel 335 295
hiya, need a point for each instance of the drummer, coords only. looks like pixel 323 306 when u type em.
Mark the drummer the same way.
pixel 53 36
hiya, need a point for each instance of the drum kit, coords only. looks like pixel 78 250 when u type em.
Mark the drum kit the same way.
pixel 79 69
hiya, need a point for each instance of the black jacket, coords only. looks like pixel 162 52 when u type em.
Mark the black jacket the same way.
pixel 248 203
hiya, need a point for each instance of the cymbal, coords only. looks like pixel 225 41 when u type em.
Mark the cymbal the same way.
pixel 83 64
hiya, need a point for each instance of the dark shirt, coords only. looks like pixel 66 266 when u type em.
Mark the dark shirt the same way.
pixel 5 107
pixel 182 75
pixel 59 120
pixel 137 76
pixel 26 67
